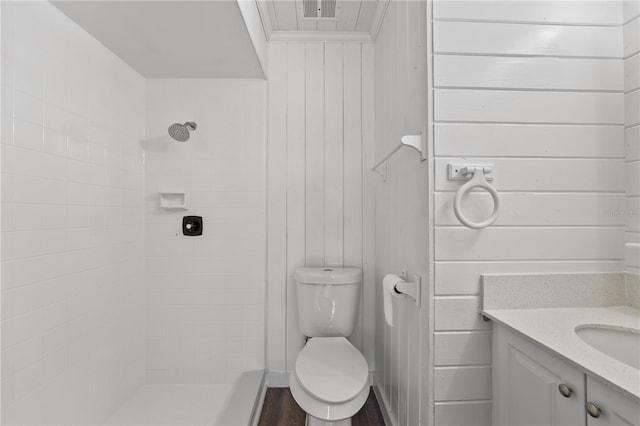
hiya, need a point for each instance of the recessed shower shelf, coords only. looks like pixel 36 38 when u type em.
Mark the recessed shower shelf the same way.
pixel 173 200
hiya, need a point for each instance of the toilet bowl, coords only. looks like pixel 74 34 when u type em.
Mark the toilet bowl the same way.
pixel 330 381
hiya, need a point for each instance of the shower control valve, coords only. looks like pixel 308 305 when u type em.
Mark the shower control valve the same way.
pixel 192 226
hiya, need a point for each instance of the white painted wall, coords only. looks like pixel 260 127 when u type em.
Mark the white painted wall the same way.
pixel 402 212
pixel 320 205
pixel 72 218
pixel 205 295
pixel 631 31
pixel 536 89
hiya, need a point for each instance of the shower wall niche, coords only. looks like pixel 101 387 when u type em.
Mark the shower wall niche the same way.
pixel 205 294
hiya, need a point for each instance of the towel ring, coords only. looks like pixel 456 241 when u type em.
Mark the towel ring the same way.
pixel 477 181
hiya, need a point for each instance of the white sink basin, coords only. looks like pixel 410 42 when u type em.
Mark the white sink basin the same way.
pixel 620 343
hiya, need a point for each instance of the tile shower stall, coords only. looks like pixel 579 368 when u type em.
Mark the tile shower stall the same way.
pixel 101 292
pixel 110 315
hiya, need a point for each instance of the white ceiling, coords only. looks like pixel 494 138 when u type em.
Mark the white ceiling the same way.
pixel 354 18
pixel 171 39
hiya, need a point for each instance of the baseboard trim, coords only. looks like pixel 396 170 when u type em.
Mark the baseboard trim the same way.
pixel 383 404
pixel 277 380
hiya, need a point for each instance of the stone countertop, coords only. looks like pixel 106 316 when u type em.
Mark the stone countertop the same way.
pixel 554 329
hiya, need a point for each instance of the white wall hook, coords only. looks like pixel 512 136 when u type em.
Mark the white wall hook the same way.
pixel 476 176
pixel 413 141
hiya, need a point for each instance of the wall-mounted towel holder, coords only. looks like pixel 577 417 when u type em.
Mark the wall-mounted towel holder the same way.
pixel 414 141
pixel 477 176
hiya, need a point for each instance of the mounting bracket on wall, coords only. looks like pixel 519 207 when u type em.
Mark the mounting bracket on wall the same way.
pixel 411 289
pixel 414 141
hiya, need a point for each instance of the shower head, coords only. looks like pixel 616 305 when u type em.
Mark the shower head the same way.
pixel 180 132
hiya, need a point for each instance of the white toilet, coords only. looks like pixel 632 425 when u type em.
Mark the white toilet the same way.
pixel 331 377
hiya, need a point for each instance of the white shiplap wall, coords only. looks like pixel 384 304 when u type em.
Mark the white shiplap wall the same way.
pixel 536 89
pixel 402 221
pixel 631 53
pixel 320 212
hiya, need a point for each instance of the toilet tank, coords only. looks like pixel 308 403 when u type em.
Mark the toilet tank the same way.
pixel 328 300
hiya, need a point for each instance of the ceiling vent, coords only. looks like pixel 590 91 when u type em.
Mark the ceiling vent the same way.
pixel 310 8
pixel 328 9
pixel 319 9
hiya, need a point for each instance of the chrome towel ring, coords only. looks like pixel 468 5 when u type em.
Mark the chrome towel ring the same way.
pixel 477 181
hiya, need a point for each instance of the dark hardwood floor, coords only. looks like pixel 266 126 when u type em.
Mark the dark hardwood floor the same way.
pixel 280 409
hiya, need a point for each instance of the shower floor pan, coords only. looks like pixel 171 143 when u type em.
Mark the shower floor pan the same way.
pixel 226 404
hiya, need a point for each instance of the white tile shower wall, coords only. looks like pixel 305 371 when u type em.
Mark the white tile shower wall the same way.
pixel 205 295
pixel 631 34
pixel 72 214
pixel 401 205
pixel 535 88
pixel 319 188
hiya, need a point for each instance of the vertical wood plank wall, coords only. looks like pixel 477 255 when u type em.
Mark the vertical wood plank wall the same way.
pixel 536 89
pixel 319 203
pixel 631 31
pixel 402 212
pixel 550 115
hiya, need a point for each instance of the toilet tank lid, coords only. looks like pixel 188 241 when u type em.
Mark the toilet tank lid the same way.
pixel 327 275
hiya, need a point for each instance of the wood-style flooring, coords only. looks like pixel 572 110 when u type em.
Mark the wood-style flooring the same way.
pixel 280 409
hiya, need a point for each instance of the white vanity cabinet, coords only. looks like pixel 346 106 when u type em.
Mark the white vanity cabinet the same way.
pixel 532 386
pixel 610 407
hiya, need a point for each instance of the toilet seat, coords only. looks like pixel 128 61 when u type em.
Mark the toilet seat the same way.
pixel 331 369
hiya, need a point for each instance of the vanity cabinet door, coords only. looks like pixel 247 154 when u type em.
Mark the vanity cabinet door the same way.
pixel 533 387
pixel 610 407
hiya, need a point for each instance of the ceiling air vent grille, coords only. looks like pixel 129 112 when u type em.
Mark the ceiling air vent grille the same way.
pixel 319 9
pixel 328 9
pixel 310 8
